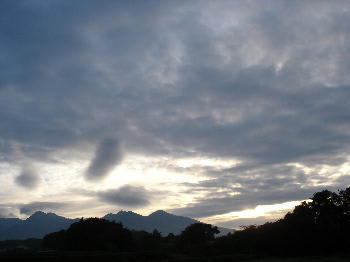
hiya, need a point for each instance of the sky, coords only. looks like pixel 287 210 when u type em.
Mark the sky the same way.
pixel 230 112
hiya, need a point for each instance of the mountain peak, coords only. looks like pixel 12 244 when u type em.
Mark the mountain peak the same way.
pixel 40 223
pixel 122 212
pixel 38 214
pixel 159 213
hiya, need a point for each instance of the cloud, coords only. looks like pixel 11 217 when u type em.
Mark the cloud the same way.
pixel 127 196
pixel 247 186
pixel 28 178
pixel 239 222
pixel 266 84
pixel 222 203
pixel 7 212
pixel 199 89
pixel 107 156
pixel 32 207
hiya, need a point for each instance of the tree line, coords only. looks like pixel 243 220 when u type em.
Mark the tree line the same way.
pixel 318 226
pixel 96 234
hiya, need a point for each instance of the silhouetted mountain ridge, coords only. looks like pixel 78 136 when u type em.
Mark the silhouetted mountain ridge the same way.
pixel 35 226
pixel 162 221
pixel 39 224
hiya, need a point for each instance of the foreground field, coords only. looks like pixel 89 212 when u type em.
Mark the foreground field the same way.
pixel 152 257
pixel 309 259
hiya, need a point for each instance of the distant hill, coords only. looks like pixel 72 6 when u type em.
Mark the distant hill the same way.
pixel 39 224
pixel 36 226
pixel 162 221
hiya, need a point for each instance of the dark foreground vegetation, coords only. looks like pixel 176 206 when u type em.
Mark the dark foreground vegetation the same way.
pixel 317 230
pixel 318 227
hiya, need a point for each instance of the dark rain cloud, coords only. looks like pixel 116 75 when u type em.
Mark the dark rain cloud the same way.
pixel 180 98
pixel 127 196
pixel 107 156
pixel 263 83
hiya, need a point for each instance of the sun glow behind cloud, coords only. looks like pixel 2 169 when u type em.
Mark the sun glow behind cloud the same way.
pixel 269 212
pixel 62 180
pixel 262 210
pixel 168 174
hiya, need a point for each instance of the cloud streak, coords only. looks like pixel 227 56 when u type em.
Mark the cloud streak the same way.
pixel 107 156
pixel 28 178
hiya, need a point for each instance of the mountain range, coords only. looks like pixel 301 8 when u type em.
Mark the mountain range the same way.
pixel 39 224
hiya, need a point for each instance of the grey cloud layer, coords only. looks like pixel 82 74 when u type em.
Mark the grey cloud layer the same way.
pixel 265 83
pixel 126 196
pixel 247 186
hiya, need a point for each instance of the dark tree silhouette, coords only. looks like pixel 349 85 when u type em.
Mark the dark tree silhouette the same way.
pixel 196 236
pixel 91 234
pixel 148 241
pixel 318 226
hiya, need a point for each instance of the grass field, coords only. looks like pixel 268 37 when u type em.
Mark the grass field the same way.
pixel 153 257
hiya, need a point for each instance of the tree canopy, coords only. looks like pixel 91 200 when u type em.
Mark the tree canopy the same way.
pixel 91 234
